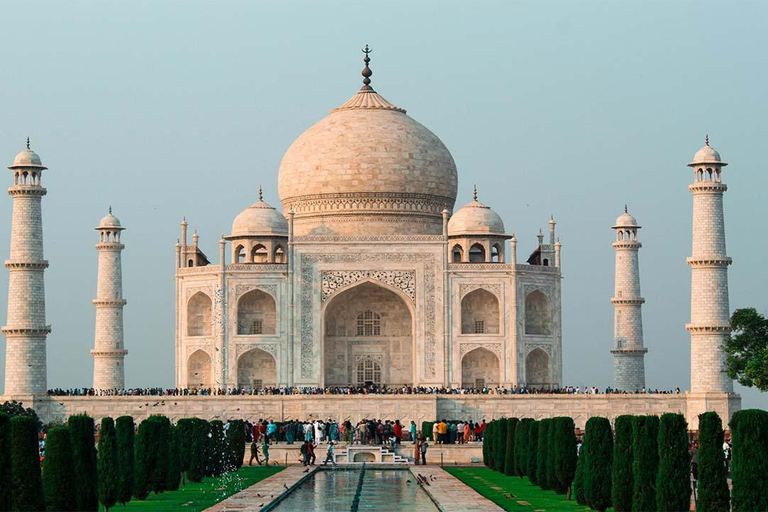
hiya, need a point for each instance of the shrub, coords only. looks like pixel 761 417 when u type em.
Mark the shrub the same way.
pixel 598 457
pixel 84 450
pixel 14 408
pixel 486 442
pixel 673 481
pixel 542 453
pixel 622 479
pixel 193 433
pixel 151 459
pixel 108 471
pixel 645 462
pixel 509 456
pixel 124 433
pixel 578 479
pixel 749 468
pixel 174 460
pixel 565 453
pixel 500 445
pixel 551 474
pixel 236 442
pixel 159 478
pixel 6 495
pixel 218 450
pixel 713 493
pixel 25 461
pixel 521 443
pixel 533 447
pixel 59 471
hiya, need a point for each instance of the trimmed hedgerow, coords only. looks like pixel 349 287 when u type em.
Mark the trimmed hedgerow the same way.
pixel 565 453
pixel 713 493
pixel 509 456
pixel 598 459
pixel 108 471
pixel 749 467
pixel 542 453
pixel 59 471
pixel 533 452
pixel 25 461
pixel 622 478
pixel 125 432
pixel 645 462
pixel 81 430
pixel 673 481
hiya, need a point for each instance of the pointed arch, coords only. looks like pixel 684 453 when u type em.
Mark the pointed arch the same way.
pixel 477 253
pixel 480 368
pixel 199 315
pixel 256 369
pixel 279 254
pixel 538 373
pixel 199 373
pixel 259 254
pixel 480 313
pixel 240 254
pixel 256 313
pixel 538 314
pixel 457 254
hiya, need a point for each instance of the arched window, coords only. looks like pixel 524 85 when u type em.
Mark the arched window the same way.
pixel 496 253
pixel 259 254
pixel 199 309
pixel 538 314
pixel 368 323
pixel 537 371
pixel 479 313
pixel 191 263
pixel 256 313
pixel 700 175
pixel 199 370
pixel 546 262
pixel 458 254
pixel 368 373
pixel 240 254
pixel 477 254
pixel 279 254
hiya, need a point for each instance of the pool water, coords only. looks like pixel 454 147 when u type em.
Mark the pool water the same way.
pixel 334 489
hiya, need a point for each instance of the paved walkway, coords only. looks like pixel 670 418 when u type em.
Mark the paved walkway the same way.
pixel 450 493
pixel 260 494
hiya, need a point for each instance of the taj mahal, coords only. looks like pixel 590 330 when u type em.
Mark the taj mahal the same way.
pixel 368 274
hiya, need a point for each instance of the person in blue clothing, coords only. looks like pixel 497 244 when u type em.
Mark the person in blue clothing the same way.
pixel 272 432
pixel 412 430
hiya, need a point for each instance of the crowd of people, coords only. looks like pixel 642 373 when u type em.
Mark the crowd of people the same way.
pixel 365 390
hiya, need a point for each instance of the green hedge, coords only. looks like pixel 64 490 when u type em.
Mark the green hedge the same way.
pixel 509 456
pixel 565 453
pixel 151 457
pixel 622 479
pixel 542 453
pixel 6 476
pixel 749 468
pixel 173 477
pixel 501 445
pixel 59 471
pixel 578 479
pixel 124 432
pixel 81 430
pixel 598 459
pixel 521 446
pixel 645 462
pixel 673 481
pixel 236 443
pixel 713 492
pixel 25 461
pixel 108 470
pixel 533 447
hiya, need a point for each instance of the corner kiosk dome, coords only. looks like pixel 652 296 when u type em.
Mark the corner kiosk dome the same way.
pixel 625 220
pixel 110 221
pixel 707 155
pixel 26 159
pixel 367 169
pixel 475 218
pixel 259 219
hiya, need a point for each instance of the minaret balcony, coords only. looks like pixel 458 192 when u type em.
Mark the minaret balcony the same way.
pixel 27 190
pixel 109 353
pixel 105 303
pixel 629 301
pixel 710 187
pixel 627 244
pixel 630 351
pixel 26 331
pixel 712 261
pixel 708 329
pixel 26 265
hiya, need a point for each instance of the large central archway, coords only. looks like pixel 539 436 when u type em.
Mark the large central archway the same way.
pixel 368 338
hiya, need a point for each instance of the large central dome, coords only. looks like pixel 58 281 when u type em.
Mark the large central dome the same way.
pixel 367 169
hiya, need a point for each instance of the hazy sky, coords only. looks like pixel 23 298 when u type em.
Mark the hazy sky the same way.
pixel 164 109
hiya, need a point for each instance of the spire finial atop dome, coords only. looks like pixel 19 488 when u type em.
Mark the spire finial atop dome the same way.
pixel 28 143
pixel 706 139
pixel 110 209
pixel 261 195
pixel 474 193
pixel 626 210
pixel 367 73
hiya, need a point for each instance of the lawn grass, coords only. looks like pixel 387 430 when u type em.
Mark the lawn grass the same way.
pixel 194 497
pixel 496 487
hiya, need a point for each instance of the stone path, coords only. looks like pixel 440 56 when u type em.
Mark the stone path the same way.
pixel 261 494
pixel 451 494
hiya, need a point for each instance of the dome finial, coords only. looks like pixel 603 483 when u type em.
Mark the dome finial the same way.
pixel 261 195
pixel 27 142
pixel 110 209
pixel 367 73
pixel 626 210
pixel 706 139
pixel 474 193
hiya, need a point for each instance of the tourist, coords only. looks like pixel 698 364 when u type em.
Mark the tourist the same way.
pixel 467 431
pixel 694 452
pixel 412 430
pixel 265 451
pixel 442 431
pixel 311 453
pixel 262 429
pixel 309 431
pixel 304 453
pixel 254 454
pixel 329 455
pixel 451 433
pixel 272 432
pixel 423 450
pixel 288 430
pixel 460 433
pixel 348 432
pixel 398 431
pixel 482 430
pixel 333 431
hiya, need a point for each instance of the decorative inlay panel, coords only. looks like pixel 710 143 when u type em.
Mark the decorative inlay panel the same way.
pixel 377 358
pixel 468 287
pixel 368 238
pixel 465 348
pixel 208 290
pixel 332 281
pixel 546 347
pixel 242 348
pixel 242 289
pixel 309 324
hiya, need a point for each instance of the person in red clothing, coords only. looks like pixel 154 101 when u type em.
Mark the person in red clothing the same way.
pixel 398 430
pixel 482 431
pixel 262 429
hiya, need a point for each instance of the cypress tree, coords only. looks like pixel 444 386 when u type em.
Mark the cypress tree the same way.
pixel 533 452
pixel 25 461
pixel 174 460
pixel 218 448
pixel 196 437
pixel 509 456
pixel 109 474
pixel 713 493
pixel 551 466
pixel 622 478
pixel 6 486
pixel 598 462
pixel 486 451
pixel 146 473
pixel 541 454
pixel 565 454
pixel 236 442
pixel 521 442
pixel 673 481
pixel 645 462
pixel 162 448
pixel 578 479
pixel 124 432
pixel 59 471
pixel 501 445
pixel 81 430
pixel 749 468
pixel 185 428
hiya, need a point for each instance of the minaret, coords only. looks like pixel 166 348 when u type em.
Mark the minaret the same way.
pixel 710 314
pixel 26 330
pixel 109 351
pixel 628 351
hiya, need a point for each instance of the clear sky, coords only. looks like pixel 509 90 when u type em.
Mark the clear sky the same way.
pixel 173 108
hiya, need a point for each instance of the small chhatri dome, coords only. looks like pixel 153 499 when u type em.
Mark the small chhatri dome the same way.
pixel 110 221
pixel 475 218
pixel 259 219
pixel 706 155
pixel 625 220
pixel 27 158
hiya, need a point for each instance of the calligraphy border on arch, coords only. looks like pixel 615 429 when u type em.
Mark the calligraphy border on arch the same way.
pixel 308 287
pixel 331 281
pixel 470 287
